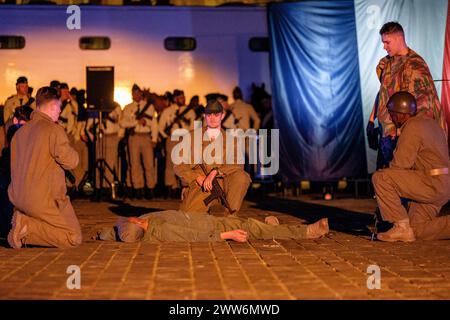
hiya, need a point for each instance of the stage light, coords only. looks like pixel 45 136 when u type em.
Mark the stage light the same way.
pixel 342 184
pixel 328 192
pixel 305 185
pixel 122 95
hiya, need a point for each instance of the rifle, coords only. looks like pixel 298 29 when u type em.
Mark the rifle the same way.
pixel 140 114
pixel 179 117
pixel 63 106
pixel 29 102
pixel 216 192
pixel 63 120
pixel 106 117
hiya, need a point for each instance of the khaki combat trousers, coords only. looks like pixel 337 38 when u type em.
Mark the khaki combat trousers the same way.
pixel 58 227
pixel 427 194
pixel 111 144
pixel 170 179
pixel 234 185
pixel 140 144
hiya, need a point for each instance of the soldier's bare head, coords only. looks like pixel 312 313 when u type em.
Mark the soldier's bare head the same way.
pixel 64 91
pixel 393 38
pixel 22 86
pixel 214 114
pixel 237 93
pixel 391 27
pixel 179 98
pixel 47 101
pixel 136 93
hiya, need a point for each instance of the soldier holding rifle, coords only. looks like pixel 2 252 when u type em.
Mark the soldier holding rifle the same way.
pixel 177 116
pixel 141 126
pixel 203 182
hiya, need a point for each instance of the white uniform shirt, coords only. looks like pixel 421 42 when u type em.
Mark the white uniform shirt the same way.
pixel 243 113
pixel 68 118
pixel 12 103
pixel 108 126
pixel 128 119
pixel 169 114
pixel 212 134
pixel 229 122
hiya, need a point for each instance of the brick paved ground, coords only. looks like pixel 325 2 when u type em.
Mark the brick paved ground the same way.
pixel 334 267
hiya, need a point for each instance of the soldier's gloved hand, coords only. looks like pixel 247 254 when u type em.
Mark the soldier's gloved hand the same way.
pixel 370 128
pixel 372 135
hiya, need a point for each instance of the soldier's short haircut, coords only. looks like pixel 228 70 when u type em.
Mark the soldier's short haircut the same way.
pixel 63 85
pixel 177 92
pixel 45 95
pixel 237 93
pixel 222 97
pixel 391 27
pixel 135 88
pixel 54 84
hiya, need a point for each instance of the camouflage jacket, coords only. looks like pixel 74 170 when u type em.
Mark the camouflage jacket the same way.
pixel 407 73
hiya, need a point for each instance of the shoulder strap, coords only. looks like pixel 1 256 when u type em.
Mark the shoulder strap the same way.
pixel 227 115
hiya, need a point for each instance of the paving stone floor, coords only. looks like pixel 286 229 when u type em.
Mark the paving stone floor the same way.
pixel 334 267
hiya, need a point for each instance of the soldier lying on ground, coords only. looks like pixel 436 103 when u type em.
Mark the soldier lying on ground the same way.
pixel 180 226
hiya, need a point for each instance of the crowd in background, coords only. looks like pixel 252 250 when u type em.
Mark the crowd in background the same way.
pixel 124 150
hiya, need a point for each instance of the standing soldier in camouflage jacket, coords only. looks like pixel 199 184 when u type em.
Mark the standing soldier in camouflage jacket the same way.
pixel 403 70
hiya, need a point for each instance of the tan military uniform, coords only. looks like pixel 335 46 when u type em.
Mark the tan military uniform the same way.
pixel 418 172
pixel 167 117
pixel 235 180
pixel 81 147
pixel 13 102
pixel 229 121
pixel 40 152
pixel 141 143
pixel 68 118
pixel 74 130
pixel 244 112
pixel 2 137
pixel 179 226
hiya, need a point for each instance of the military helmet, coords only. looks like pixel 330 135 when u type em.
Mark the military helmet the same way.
pixel 402 102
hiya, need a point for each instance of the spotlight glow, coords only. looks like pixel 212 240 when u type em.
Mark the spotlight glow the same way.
pixel 122 95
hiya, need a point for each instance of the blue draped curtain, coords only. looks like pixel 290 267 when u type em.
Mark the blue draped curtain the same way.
pixel 316 90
